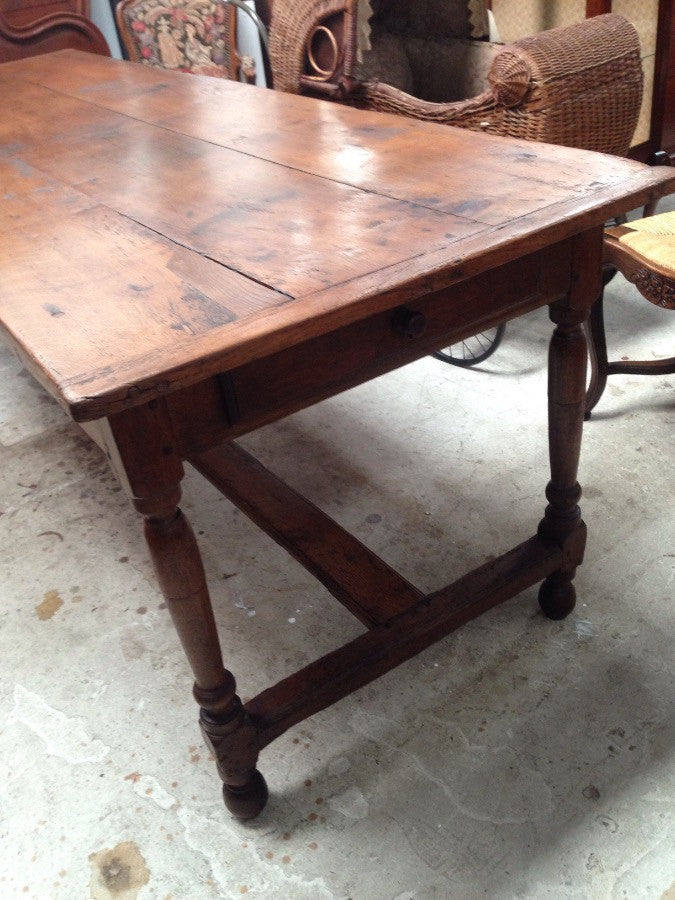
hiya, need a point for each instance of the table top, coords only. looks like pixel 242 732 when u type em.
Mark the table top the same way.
pixel 158 228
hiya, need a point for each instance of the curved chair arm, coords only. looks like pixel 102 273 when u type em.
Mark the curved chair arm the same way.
pixel 585 87
pixel 54 32
pixel 579 85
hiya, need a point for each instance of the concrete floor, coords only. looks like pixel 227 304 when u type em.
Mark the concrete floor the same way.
pixel 517 758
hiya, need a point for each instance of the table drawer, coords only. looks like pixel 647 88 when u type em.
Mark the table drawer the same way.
pixel 267 389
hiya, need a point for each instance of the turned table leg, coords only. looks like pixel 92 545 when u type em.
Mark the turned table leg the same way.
pixel 566 407
pixel 227 730
pixel 562 519
pixel 139 443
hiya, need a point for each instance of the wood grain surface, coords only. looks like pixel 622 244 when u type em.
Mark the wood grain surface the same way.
pixel 157 228
pixel 184 259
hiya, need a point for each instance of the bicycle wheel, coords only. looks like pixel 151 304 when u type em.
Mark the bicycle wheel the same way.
pixel 474 349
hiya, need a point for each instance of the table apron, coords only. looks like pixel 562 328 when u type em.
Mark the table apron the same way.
pixel 245 398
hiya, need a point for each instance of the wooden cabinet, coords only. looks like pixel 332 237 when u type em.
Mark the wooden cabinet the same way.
pixel 655 22
pixel 31 27
pixel 25 12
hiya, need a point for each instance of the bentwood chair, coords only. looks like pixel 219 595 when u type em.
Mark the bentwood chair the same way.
pixel 197 36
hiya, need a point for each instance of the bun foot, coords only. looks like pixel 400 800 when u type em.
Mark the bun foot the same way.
pixel 246 802
pixel 557 596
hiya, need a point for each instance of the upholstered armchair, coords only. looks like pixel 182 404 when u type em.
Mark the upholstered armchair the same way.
pixel 578 85
pixel 198 36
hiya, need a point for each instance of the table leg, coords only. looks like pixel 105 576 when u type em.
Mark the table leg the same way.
pixel 140 445
pixel 567 364
pixel 227 730
pixel 562 519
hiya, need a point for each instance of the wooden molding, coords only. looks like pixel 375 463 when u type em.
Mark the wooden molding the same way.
pixel 58 31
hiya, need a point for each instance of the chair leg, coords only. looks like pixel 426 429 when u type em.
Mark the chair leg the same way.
pixel 650 208
pixel 600 365
pixel 597 352
pixel 660 158
pixel 646 367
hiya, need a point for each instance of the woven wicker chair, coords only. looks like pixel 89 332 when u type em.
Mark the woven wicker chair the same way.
pixel 197 36
pixel 579 85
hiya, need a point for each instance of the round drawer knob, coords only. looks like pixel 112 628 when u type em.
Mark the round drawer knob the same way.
pixel 410 323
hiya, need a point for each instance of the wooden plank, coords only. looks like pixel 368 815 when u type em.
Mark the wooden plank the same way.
pixel 365 658
pixel 98 282
pixel 91 387
pixel 222 203
pixel 217 237
pixel 362 148
pixel 597 7
pixel 360 580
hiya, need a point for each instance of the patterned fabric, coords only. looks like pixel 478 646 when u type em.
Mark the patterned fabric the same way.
pixel 478 18
pixel 185 35
pixel 363 15
pixel 424 48
pixel 432 19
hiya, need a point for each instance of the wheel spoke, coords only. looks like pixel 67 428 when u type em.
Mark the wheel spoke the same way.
pixel 474 349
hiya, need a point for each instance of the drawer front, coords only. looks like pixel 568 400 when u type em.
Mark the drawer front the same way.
pixel 270 388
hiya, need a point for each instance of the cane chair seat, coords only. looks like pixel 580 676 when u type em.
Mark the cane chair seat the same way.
pixel 650 244
pixel 644 252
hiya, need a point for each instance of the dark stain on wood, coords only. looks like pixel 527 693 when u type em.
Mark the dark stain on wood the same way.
pixel 53 310
pixel 198 313
pixel 469 207
pixel 384 132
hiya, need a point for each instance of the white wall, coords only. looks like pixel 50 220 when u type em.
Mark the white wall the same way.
pixel 248 43
pixel 101 15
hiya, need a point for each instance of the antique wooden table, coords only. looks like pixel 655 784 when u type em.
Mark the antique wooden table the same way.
pixel 184 259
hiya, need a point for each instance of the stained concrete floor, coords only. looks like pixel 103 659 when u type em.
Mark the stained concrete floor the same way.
pixel 517 758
